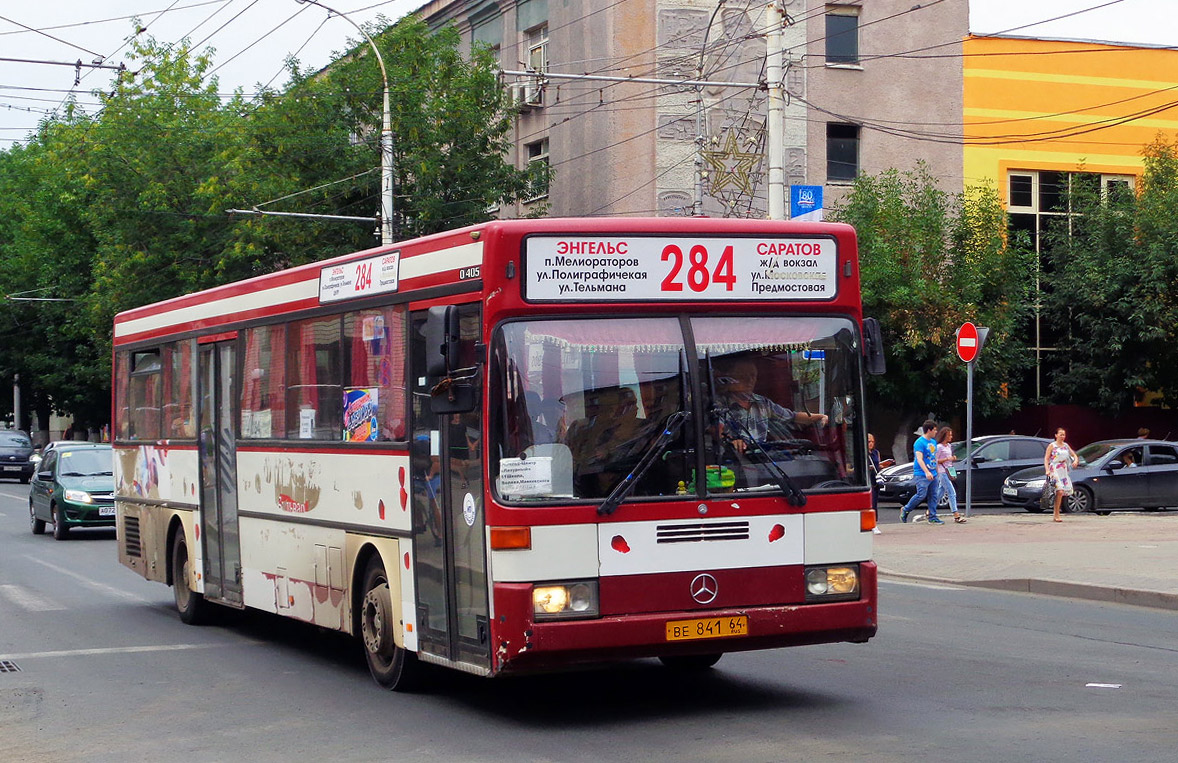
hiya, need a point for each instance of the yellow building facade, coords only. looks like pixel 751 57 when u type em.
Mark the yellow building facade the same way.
pixel 1059 106
pixel 1042 117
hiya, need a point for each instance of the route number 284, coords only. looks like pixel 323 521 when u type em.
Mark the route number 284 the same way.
pixel 699 276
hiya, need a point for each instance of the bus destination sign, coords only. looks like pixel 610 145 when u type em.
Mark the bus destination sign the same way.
pixel 362 278
pixel 594 269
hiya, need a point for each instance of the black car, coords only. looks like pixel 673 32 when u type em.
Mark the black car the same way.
pixel 995 457
pixel 16 452
pixel 1113 474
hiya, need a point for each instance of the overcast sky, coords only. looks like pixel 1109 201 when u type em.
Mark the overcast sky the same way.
pixel 252 38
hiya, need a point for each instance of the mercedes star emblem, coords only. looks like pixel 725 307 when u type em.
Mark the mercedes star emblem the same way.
pixel 704 588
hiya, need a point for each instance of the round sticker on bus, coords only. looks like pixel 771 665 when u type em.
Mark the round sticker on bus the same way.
pixel 468 509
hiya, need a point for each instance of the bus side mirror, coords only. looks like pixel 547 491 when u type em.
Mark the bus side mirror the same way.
pixel 441 341
pixel 877 364
pixel 448 393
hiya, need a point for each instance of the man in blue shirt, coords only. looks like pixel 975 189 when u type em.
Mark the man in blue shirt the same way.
pixel 924 474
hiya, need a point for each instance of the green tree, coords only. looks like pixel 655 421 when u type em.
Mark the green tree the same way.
pixel 1111 272
pixel 128 206
pixel 929 261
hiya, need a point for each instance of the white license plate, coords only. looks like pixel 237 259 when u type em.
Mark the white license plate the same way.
pixel 9 468
pixel 106 511
pixel 1009 491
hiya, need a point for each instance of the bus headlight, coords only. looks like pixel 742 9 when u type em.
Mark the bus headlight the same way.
pixel 564 601
pixel 832 583
pixel 78 496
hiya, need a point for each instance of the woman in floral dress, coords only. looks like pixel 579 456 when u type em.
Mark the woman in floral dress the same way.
pixel 1055 463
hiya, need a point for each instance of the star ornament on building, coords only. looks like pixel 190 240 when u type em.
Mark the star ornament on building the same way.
pixel 731 166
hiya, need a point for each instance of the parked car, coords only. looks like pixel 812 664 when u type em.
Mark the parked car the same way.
pixel 1113 474
pixel 995 457
pixel 74 487
pixel 16 450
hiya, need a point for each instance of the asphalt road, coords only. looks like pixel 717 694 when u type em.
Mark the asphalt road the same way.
pixel 108 673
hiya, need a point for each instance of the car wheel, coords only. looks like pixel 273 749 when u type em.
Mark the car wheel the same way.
pixel 191 606
pixel 392 667
pixel 1036 509
pixel 691 662
pixel 61 530
pixel 38 525
pixel 1080 501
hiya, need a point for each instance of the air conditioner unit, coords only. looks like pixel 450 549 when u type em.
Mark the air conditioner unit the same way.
pixel 533 93
pixel 517 93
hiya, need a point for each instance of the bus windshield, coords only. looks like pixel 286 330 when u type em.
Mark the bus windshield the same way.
pixel 577 403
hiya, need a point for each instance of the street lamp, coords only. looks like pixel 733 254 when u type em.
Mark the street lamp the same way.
pixel 386 136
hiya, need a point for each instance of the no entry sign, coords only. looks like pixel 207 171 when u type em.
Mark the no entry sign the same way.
pixel 967 342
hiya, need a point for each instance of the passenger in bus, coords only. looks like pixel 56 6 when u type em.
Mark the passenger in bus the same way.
pixel 754 413
pixel 542 432
pixel 604 442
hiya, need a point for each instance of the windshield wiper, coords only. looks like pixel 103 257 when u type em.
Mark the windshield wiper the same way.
pixel 793 494
pixel 674 423
pixel 671 429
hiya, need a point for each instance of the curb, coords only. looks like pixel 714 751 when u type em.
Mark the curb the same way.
pixel 1060 588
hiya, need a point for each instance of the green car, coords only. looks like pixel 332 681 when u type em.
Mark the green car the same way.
pixel 73 486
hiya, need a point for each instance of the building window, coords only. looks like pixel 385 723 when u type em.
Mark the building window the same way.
pixel 538 49
pixel 533 87
pixel 537 155
pixel 842 152
pixel 1039 202
pixel 842 34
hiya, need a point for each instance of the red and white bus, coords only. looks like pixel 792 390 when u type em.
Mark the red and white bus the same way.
pixel 482 449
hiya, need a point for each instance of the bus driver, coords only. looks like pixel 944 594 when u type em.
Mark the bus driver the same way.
pixel 735 382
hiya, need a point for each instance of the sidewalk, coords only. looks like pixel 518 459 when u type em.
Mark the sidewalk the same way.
pixel 1128 558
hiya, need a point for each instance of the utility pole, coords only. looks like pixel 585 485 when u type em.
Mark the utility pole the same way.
pixel 16 401
pixel 387 231
pixel 775 80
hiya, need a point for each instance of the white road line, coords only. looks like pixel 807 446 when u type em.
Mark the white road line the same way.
pixel 26 599
pixel 103 587
pixel 121 650
pixel 934 586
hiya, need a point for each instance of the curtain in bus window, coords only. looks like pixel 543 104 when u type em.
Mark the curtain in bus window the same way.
pixel 143 395
pixel 374 398
pixel 177 410
pixel 263 387
pixel 782 390
pixel 314 394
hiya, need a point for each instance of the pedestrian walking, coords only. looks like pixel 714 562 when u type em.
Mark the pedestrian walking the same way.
pixel 1055 463
pixel 946 471
pixel 924 474
pixel 874 467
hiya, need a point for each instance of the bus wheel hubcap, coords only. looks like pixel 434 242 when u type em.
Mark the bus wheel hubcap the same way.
pixel 376 620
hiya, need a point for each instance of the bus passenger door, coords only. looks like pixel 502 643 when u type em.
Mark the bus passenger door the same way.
pixel 218 474
pixel 449 525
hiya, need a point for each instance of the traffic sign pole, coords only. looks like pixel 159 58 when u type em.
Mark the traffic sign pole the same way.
pixel 970 339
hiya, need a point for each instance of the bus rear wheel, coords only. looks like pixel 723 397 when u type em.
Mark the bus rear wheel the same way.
pixel 392 667
pixel 191 606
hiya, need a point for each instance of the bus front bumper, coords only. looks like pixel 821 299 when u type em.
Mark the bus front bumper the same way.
pixel 525 645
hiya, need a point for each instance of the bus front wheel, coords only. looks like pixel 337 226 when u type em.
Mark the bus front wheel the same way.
pixel 691 661
pixel 392 667
pixel 191 606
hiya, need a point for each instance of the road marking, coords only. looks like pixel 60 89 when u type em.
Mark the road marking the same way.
pixel 1102 686
pixel 26 599
pixel 121 650
pixel 933 586
pixel 103 587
